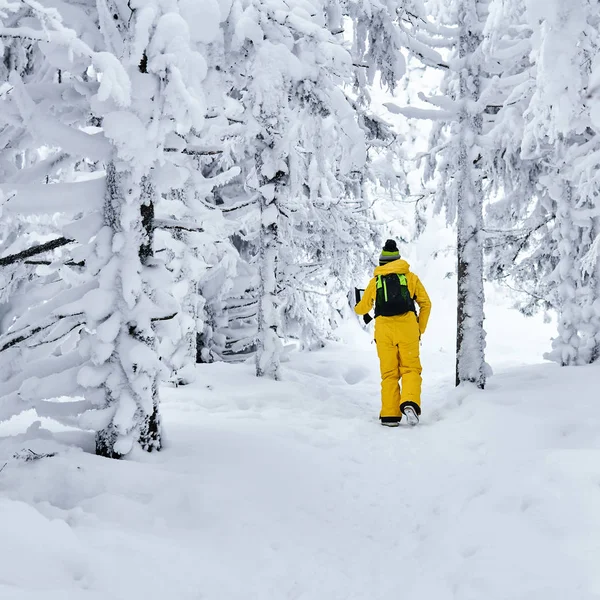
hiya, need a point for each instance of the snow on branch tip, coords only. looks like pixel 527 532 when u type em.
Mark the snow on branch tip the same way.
pixel 420 113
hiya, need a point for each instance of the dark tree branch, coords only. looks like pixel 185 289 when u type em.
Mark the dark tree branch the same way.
pixel 51 245
pixel 240 205
pixel 194 152
pixel 165 318
pixel 248 304
pixel 58 338
pixel 69 263
pixel 175 224
pixel 17 337
pixel 426 61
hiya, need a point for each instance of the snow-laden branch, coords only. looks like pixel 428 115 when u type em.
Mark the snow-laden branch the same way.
pixel 12 406
pixel 521 237
pixel 29 332
pixel 195 151
pixel 66 413
pixel 45 126
pixel 420 113
pixel 53 377
pixel 64 241
pixel 423 52
pixel 114 83
pixel 443 102
pixel 34 251
pixel 435 30
pixel 435 42
pixel 51 311
pixel 46 199
pixel 42 169
pixel 245 204
pixel 175 224
pixel 61 334
pixel 591 257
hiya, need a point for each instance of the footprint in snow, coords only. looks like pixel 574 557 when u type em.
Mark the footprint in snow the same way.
pixel 356 375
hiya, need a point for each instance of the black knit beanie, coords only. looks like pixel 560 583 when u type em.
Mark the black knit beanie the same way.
pixel 389 253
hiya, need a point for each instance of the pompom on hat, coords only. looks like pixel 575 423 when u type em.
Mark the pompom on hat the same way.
pixel 389 253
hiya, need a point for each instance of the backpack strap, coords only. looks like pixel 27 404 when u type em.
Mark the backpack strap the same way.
pixel 381 284
pixel 404 281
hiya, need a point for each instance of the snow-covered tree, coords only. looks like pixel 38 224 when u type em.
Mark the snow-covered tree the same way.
pixel 42 120
pixel 567 42
pixel 306 171
pixel 464 194
pixel 455 158
pixel 98 336
pixel 520 210
pixel 542 223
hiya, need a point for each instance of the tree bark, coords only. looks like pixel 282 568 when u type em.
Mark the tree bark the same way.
pixel 150 430
pixel 268 355
pixel 268 345
pixel 470 335
pixel 569 347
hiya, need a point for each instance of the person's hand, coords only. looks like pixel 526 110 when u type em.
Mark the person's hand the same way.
pixel 367 318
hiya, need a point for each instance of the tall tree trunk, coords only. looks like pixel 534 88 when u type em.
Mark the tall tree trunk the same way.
pixel 184 371
pixel 150 429
pixel 470 335
pixel 595 303
pixel 106 438
pixel 567 347
pixel 268 348
pixel 146 421
pixel 586 275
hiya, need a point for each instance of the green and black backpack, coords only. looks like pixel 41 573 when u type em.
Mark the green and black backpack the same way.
pixel 393 296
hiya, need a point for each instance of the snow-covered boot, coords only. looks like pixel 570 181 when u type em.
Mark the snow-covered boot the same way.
pixel 411 411
pixel 390 421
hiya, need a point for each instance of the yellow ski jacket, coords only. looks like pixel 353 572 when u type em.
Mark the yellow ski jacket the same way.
pixel 415 287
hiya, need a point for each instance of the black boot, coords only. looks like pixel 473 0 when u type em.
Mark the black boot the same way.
pixel 390 421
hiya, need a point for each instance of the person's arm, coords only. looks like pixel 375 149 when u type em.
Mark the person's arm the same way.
pixel 424 303
pixel 366 304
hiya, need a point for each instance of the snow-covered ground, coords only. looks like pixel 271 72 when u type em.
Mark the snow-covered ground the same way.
pixel 292 490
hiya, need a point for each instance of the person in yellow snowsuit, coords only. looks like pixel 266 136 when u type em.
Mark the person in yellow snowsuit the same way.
pixel 397 335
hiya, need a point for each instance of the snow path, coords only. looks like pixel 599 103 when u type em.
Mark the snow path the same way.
pixel 292 490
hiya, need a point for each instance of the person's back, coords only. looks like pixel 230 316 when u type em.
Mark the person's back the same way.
pixel 394 290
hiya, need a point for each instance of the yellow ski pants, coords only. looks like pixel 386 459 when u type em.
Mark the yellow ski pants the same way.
pixel 397 340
